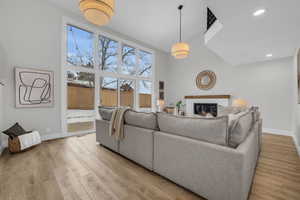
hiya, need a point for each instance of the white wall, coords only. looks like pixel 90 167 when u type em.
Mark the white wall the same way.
pixel 298 105
pixel 162 61
pixel 31 36
pixel 268 85
pixel 296 120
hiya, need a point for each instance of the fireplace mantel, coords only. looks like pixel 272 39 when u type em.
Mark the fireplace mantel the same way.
pixel 208 97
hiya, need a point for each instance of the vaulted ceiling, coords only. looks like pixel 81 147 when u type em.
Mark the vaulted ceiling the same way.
pixel 243 39
pixel 246 39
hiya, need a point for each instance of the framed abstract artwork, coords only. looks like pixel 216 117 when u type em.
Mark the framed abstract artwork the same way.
pixel 161 85
pixel 161 88
pixel 34 88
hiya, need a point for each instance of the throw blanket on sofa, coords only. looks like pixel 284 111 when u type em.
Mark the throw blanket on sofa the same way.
pixel 116 125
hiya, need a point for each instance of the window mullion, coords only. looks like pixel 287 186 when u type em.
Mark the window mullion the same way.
pixel 137 62
pixel 97 71
pixel 119 93
pixel 136 93
pixel 120 46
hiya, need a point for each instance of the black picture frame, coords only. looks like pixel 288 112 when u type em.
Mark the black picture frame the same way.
pixel 161 85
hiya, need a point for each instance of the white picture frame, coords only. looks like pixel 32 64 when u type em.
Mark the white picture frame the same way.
pixel 34 88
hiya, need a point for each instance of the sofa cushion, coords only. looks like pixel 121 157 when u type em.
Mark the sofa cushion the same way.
pixel 137 145
pixel 141 119
pixel 226 110
pixel 106 112
pixel 239 127
pixel 212 130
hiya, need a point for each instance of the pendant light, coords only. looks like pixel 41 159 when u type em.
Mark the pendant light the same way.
pixel 98 12
pixel 181 49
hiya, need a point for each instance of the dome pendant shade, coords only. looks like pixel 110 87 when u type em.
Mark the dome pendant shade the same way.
pixel 98 12
pixel 180 50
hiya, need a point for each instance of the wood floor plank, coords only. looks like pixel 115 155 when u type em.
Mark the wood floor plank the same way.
pixel 77 168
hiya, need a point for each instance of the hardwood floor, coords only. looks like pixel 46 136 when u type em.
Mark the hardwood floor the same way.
pixel 76 168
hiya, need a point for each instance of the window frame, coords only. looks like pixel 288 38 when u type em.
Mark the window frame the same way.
pixel 96 70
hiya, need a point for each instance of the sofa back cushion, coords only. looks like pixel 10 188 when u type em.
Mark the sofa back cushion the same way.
pixel 212 130
pixel 141 119
pixel 106 112
pixel 226 110
pixel 239 127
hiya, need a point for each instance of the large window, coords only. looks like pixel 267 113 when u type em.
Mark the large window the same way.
pixel 145 64
pixel 127 93
pixel 80 101
pixel 108 54
pixel 81 90
pixel 109 91
pixel 145 94
pixel 80 47
pixel 104 70
pixel 128 60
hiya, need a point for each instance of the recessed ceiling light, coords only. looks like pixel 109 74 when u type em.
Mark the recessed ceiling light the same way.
pixel 259 12
pixel 269 55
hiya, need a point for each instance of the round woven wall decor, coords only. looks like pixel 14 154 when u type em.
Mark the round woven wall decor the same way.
pixel 206 80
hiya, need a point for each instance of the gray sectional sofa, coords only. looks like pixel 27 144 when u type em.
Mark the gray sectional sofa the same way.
pixel 213 157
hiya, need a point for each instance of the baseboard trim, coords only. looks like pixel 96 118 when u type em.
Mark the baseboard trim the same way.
pixel 53 136
pixel 277 132
pixel 297 145
pixel 61 135
pixel 1 150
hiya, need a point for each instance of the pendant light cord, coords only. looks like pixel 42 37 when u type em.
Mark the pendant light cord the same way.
pixel 180 8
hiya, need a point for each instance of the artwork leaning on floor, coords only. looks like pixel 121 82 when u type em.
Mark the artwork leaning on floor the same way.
pixel 34 88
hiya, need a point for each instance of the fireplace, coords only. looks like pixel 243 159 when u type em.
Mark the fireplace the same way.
pixel 190 101
pixel 205 109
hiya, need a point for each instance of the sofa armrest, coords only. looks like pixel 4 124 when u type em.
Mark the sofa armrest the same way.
pixel 210 170
pixel 260 133
pixel 103 137
pixel 249 150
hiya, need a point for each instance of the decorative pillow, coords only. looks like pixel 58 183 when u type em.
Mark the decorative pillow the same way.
pixel 239 127
pixel 15 131
pixel 212 130
pixel 141 119
pixel 106 112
